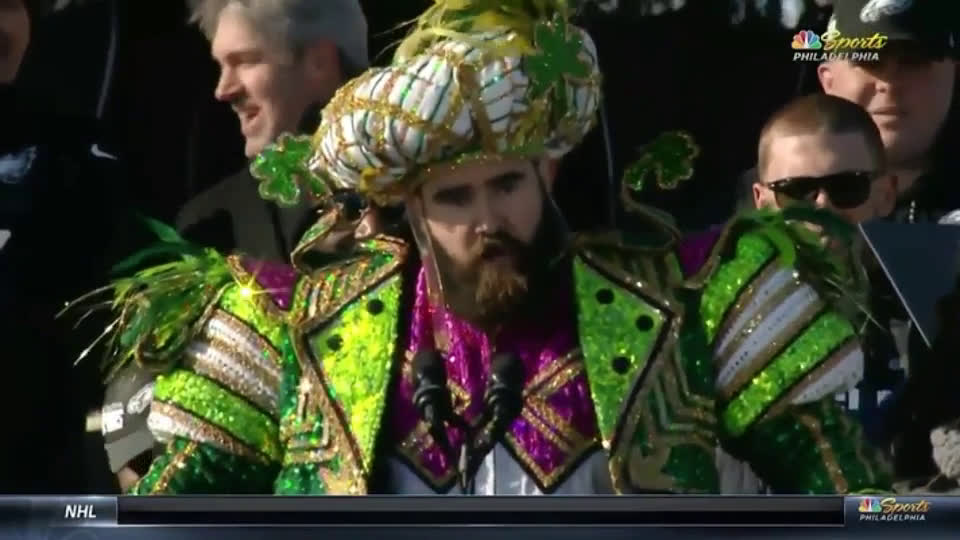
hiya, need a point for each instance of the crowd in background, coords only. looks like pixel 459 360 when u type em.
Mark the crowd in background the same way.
pixel 867 140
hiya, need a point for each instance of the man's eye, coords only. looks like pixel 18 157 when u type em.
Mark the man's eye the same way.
pixel 507 184
pixel 453 197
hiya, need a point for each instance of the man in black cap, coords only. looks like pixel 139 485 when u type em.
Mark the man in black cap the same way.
pixel 908 92
pixel 908 88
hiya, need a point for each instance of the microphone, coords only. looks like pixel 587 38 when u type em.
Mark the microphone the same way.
pixel 431 396
pixel 503 402
pixel 504 396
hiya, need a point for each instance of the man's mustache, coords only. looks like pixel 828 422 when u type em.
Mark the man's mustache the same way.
pixel 497 245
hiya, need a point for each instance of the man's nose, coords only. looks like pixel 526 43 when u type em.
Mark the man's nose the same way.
pixel 823 200
pixel 228 86
pixel 487 218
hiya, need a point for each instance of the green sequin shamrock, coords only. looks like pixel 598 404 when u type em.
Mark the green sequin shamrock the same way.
pixel 282 171
pixel 668 160
pixel 556 59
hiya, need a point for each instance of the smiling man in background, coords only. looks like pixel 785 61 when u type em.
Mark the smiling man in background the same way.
pixel 280 62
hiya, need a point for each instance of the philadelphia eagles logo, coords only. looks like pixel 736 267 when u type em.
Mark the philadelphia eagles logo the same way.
pixel 878 9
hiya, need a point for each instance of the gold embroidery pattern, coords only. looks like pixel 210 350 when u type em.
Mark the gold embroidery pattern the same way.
pixel 315 399
pixel 826 452
pixel 343 283
pixel 545 420
pixel 177 462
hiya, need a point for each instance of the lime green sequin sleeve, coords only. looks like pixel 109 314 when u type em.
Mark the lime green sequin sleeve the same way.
pixel 219 407
pixel 780 352
pixel 194 467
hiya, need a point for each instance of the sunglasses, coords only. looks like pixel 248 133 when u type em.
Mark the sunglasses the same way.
pixel 845 190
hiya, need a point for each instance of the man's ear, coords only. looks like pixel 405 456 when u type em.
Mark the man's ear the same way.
pixel 825 75
pixel 758 199
pixel 548 168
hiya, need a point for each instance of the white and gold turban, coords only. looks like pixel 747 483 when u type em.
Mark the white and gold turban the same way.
pixel 475 80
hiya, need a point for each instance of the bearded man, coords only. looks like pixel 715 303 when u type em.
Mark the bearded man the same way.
pixel 490 350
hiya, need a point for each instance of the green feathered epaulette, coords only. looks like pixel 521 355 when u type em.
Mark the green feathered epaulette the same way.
pixel 156 310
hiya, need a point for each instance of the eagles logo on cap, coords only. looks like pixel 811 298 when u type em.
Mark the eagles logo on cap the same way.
pixel 875 10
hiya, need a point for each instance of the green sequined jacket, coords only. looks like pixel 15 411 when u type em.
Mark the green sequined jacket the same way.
pixel 743 355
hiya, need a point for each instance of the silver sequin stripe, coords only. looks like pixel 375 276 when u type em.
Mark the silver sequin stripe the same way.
pixel 236 361
pixel 763 324
pixel 167 421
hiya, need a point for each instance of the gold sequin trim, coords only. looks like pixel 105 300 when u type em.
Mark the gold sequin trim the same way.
pixel 679 376
pixel 315 392
pixel 411 450
pixel 262 297
pixel 188 426
pixel 670 388
pixel 548 373
pixel 177 463
pixel 826 452
pixel 343 284
pixel 674 422
pixel 763 357
pixel 541 416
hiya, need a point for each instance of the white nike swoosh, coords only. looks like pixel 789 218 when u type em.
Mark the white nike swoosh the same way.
pixel 4 237
pixel 96 151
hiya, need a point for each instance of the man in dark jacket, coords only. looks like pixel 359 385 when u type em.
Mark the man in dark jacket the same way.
pixel 60 202
pixel 276 78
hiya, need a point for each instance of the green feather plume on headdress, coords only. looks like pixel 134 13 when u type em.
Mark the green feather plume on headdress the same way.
pixel 464 19
pixel 156 310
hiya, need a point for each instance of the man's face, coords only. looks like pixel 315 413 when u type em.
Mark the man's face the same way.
pixel 819 157
pixel 268 86
pixel 485 221
pixel 907 95
pixel 14 38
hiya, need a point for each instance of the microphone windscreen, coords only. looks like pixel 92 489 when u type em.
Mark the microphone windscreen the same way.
pixel 428 365
pixel 507 368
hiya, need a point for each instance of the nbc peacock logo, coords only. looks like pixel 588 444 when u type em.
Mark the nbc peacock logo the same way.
pixel 869 505
pixel 807 40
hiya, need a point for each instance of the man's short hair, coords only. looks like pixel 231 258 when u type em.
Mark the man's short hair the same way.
pixel 817 114
pixel 297 24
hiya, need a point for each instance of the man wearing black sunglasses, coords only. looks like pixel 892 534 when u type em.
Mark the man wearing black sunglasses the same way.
pixel 824 151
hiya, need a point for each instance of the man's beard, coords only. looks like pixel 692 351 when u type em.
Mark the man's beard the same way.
pixel 506 279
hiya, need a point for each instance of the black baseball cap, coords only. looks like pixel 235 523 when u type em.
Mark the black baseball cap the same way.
pixel 924 27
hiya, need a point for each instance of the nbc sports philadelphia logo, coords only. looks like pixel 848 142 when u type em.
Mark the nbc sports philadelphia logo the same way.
pixel 808 46
pixel 888 509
